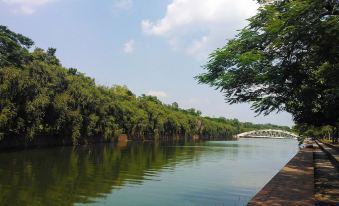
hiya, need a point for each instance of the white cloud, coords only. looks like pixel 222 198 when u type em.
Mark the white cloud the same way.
pixel 26 7
pixel 199 26
pixel 157 94
pixel 129 47
pixel 122 5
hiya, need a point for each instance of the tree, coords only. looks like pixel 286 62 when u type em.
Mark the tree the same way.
pixel 175 105
pixel 44 103
pixel 285 59
pixel 13 47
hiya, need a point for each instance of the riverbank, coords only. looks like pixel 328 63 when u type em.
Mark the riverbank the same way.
pixel 292 185
pixel 309 178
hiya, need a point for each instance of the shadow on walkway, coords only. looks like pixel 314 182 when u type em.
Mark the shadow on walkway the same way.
pixel 326 180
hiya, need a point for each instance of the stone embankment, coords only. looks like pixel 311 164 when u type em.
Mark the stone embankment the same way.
pixel 310 178
pixel 293 185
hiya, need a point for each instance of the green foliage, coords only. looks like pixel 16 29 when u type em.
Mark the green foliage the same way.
pixel 285 59
pixel 13 48
pixel 42 103
pixel 325 132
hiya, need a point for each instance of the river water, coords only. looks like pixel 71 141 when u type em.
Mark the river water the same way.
pixel 181 174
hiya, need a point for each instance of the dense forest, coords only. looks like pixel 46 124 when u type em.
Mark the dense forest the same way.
pixel 44 103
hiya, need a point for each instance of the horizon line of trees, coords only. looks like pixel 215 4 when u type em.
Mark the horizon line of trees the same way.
pixel 44 103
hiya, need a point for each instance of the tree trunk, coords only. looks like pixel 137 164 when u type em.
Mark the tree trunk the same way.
pixel 336 134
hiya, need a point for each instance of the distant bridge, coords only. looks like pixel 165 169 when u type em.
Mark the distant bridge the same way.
pixel 268 133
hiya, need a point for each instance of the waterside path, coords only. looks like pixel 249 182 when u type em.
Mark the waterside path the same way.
pixel 293 184
pixel 310 178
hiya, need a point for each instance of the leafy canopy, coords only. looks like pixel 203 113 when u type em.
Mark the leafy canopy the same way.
pixel 285 59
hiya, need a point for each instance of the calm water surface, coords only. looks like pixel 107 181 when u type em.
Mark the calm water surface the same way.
pixel 207 173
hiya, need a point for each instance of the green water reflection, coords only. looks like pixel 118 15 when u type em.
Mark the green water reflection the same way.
pixel 205 173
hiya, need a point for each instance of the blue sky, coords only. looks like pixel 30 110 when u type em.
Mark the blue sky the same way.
pixel 154 47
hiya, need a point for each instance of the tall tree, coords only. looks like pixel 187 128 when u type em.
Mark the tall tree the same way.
pixel 13 48
pixel 285 59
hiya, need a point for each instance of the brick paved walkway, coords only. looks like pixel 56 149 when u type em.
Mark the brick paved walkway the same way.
pixel 332 153
pixel 326 180
pixel 292 186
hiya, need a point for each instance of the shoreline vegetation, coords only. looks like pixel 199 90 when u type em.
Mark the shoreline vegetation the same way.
pixel 43 103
